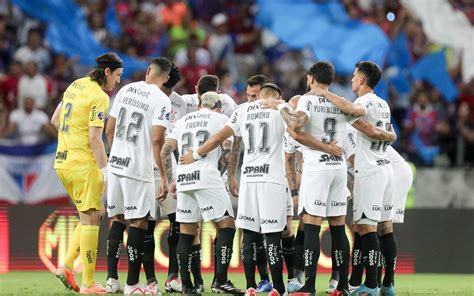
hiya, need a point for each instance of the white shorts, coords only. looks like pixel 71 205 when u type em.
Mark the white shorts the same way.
pixel 387 203
pixel 369 189
pixel 262 207
pixel 403 181
pixel 323 193
pixel 289 203
pixel 132 198
pixel 167 206
pixel 203 205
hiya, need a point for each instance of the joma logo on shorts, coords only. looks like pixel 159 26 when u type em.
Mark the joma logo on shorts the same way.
pixel 195 176
pixel 62 155
pixel 257 169
pixel 376 208
pixel 400 211
pixel 120 161
pixel 268 221
pixel 246 218
pixel 77 201
pixel 111 207
pixel 319 203
pixel 181 211
pixel 208 208
pixel 327 158
pixel 388 207
pixel 338 203
pixel 130 208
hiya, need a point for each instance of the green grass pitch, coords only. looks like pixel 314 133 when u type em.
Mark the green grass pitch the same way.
pixel 43 283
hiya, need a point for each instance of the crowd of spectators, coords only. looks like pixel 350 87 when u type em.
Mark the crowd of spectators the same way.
pixel 222 38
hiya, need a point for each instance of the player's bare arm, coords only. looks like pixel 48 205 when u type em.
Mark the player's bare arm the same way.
pixel 110 130
pixel 290 169
pixel 374 132
pixel 232 167
pixel 166 151
pixel 55 116
pixel 354 110
pixel 311 142
pixel 158 139
pixel 226 148
pixel 211 144
pixel 295 121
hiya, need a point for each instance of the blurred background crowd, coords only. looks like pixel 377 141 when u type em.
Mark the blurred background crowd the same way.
pixel 221 37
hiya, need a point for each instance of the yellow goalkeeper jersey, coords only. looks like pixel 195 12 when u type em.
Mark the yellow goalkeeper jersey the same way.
pixel 84 105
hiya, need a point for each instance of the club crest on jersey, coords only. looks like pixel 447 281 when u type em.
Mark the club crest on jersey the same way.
pixel 194 176
pixel 119 162
pixel 259 169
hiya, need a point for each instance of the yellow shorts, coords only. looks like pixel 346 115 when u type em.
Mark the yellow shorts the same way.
pixel 84 187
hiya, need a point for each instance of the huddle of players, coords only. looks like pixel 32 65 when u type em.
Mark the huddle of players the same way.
pixel 143 114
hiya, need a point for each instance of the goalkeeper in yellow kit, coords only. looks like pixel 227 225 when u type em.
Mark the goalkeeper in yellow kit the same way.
pixel 81 163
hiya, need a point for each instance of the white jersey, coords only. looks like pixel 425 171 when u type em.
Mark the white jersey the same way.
pixel 178 108
pixel 137 107
pixel 192 131
pixel 228 104
pixel 289 144
pixel 349 143
pixel 371 153
pixel 262 133
pixel 326 123
pixel 393 156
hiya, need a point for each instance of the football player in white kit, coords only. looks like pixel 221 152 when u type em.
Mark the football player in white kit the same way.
pixel 136 128
pixel 262 179
pixel 167 207
pixel 258 257
pixel 201 193
pixel 324 177
pixel 372 203
pixel 209 83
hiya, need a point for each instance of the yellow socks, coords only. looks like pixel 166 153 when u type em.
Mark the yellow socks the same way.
pixel 88 249
pixel 73 248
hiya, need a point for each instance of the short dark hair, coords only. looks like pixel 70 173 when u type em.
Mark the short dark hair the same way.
pixel 271 86
pixel 207 83
pixel 107 60
pixel 163 63
pixel 323 72
pixel 175 77
pixel 371 72
pixel 258 79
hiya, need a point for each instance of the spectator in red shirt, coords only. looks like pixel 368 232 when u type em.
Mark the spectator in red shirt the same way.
pixel 423 118
pixel 9 86
pixel 191 72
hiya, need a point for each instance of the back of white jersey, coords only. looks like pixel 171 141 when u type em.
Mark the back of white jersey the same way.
pixel 393 156
pixel 228 104
pixel 190 132
pixel 326 123
pixel 137 107
pixel 262 132
pixel 371 153
pixel 349 143
pixel 179 108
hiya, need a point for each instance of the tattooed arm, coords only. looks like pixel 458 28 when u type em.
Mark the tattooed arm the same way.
pixel 233 164
pixel 166 152
pixel 290 170
pixel 295 121
pixel 225 156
